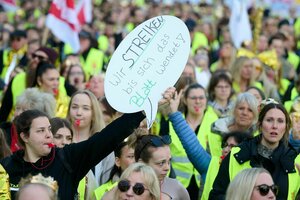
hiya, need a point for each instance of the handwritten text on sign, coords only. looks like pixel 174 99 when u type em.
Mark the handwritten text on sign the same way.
pixel 149 60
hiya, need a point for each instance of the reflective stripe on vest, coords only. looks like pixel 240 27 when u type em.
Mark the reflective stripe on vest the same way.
pixel 180 163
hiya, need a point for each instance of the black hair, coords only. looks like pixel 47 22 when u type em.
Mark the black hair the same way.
pixel 261 93
pixel 42 67
pixel 238 136
pixel 57 123
pixel 24 120
pixel 118 153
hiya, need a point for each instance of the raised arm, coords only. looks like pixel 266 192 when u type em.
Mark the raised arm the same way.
pixel 84 155
pixel 195 152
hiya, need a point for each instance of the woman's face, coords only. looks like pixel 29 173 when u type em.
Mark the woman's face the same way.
pixel 243 115
pixel 76 75
pixel 273 127
pixel 62 137
pixel 135 177
pixel 255 93
pixel 262 179
pixel 222 90
pixel 230 142
pixel 196 101
pixel 126 158
pixel 37 57
pixel 40 136
pixel 49 81
pixel 247 70
pixel 81 110
pixel 160 161
pixel 96 86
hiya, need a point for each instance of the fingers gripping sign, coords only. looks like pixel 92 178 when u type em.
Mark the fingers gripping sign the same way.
pixel 145 64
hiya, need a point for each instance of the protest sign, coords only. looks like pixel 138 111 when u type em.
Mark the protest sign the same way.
pixel 148 61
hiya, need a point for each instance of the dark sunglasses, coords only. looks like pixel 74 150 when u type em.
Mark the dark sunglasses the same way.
pixel 138 188
pixel 265 189
pixel 18 39
pixel 157 141
pixel 38 56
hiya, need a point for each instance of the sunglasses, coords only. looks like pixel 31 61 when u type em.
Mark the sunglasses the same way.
pixel 157 141
pixel 265 189
pixel 38 56
pixel 18 39
pixel 138 188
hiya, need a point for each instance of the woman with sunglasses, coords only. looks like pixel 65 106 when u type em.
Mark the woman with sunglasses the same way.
pixel 154 151
pixel 270 150
pixel 252 184
pixel 138 181
pixel 24 80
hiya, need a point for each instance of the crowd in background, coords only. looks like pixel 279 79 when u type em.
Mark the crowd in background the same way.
pixel 217 105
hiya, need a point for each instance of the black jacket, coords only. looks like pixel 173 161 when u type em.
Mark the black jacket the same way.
pixel 279 165
pixel 71 163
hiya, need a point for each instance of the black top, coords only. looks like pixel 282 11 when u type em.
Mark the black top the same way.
pixel 70 164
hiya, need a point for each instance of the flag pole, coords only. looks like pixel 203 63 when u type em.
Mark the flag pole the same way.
pixel 45 36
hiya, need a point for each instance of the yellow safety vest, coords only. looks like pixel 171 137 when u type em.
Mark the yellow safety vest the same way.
pixel 293 59
pixel 284 86
pixel 293 178
pixel 182 166
pixel 93 63
pixel 211 175
pixel 103 42
pixel 4 184
pixel 200 40
pixel 100 191
pixel 62 101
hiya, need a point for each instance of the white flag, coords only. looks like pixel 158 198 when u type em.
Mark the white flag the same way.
pixel 62 21
pixel 9 5
pixel 239 25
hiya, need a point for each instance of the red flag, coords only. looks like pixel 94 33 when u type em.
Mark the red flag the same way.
pixel 9 5
pixel 84 11
pixel 65 20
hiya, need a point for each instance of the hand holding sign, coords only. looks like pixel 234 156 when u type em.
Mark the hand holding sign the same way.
pixel 148 61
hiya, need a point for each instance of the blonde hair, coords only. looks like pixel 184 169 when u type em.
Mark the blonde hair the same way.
pixel 47 183
pixel 236 67
pixel 97 123
pixel 245 181
pixel 150 179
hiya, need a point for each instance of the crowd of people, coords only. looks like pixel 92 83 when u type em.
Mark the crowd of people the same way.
pixel 228 129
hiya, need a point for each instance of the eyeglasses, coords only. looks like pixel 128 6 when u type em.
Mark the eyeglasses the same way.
pixel 76 73
pixel 38 56
pixel 228 145
pixel 157 141
pixel 195 98
pixel 223 86
pixel 264 189
pixel 138 188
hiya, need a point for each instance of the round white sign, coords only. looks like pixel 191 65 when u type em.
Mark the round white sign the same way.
pixel 148 61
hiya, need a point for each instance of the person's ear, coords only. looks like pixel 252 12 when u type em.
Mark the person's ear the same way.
pixel 24 137
pixel 39 81
pixel 118 162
